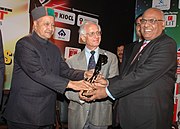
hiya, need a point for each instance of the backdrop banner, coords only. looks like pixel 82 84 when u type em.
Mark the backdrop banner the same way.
pixel 16 22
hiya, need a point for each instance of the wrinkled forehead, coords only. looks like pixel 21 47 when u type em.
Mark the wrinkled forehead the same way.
pixel 153 14
pixel 91 27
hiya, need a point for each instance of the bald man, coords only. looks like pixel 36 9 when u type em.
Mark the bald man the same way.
pixel 145 91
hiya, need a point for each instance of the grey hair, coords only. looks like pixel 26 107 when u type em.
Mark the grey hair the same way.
pixel 82 30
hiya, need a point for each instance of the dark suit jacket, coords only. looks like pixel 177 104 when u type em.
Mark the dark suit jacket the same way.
pixel 2 67
pixel 128 49
pixel 39 72
pixel 146 89
pixel 128 52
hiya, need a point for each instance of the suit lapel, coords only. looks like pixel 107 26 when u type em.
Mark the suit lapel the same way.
pixel 134 52
pixel 82 60
pixel 145 51
pixel 103 52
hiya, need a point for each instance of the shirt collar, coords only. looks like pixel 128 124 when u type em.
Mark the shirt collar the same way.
pixel 88 50
pixel 147 41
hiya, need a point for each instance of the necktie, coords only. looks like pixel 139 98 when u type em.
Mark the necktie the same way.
pixel 92 62
pixel 143 46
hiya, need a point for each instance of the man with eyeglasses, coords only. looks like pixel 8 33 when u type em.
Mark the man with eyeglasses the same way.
pixel 96 114
pixel 146 90
pixel 39 73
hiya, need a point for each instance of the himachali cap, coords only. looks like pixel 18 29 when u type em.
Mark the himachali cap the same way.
pixel 41 12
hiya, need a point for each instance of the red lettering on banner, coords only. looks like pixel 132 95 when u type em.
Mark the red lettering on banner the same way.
pixel 56 14
pixel 170 18
pixel 72 52
pixel 2 14
pixel 178 62
pixel 80 21
pixel 176 103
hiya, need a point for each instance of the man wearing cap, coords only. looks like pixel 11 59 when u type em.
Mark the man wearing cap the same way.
pixel 39 73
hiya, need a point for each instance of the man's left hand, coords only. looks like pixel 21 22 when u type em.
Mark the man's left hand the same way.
pixel 98 93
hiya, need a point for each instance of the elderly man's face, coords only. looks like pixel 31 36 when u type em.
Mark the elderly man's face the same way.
pixel 152 24
pixel 44 27
pixel 92 36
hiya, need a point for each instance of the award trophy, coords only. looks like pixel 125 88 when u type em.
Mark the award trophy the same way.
pixel 102 60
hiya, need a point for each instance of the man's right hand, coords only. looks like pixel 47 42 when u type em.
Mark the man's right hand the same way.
pixel 79 85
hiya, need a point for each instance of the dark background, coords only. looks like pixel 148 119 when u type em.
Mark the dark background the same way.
pixel 116 19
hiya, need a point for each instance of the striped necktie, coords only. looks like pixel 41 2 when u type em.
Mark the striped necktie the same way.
pixel 142 47
pixel 92 62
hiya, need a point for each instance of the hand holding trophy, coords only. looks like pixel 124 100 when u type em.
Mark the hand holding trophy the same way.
pixel 102 60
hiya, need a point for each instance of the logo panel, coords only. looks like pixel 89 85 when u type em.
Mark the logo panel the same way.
pixel 161 4
pixel 62 34
pixel 82 18
pixel 170 20
pixel 64 17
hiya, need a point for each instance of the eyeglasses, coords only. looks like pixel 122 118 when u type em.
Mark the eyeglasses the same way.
pixel 138 24
pixel 151 21
pixel 97 33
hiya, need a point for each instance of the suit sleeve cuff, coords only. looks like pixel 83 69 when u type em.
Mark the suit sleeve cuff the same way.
pixel 109 94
